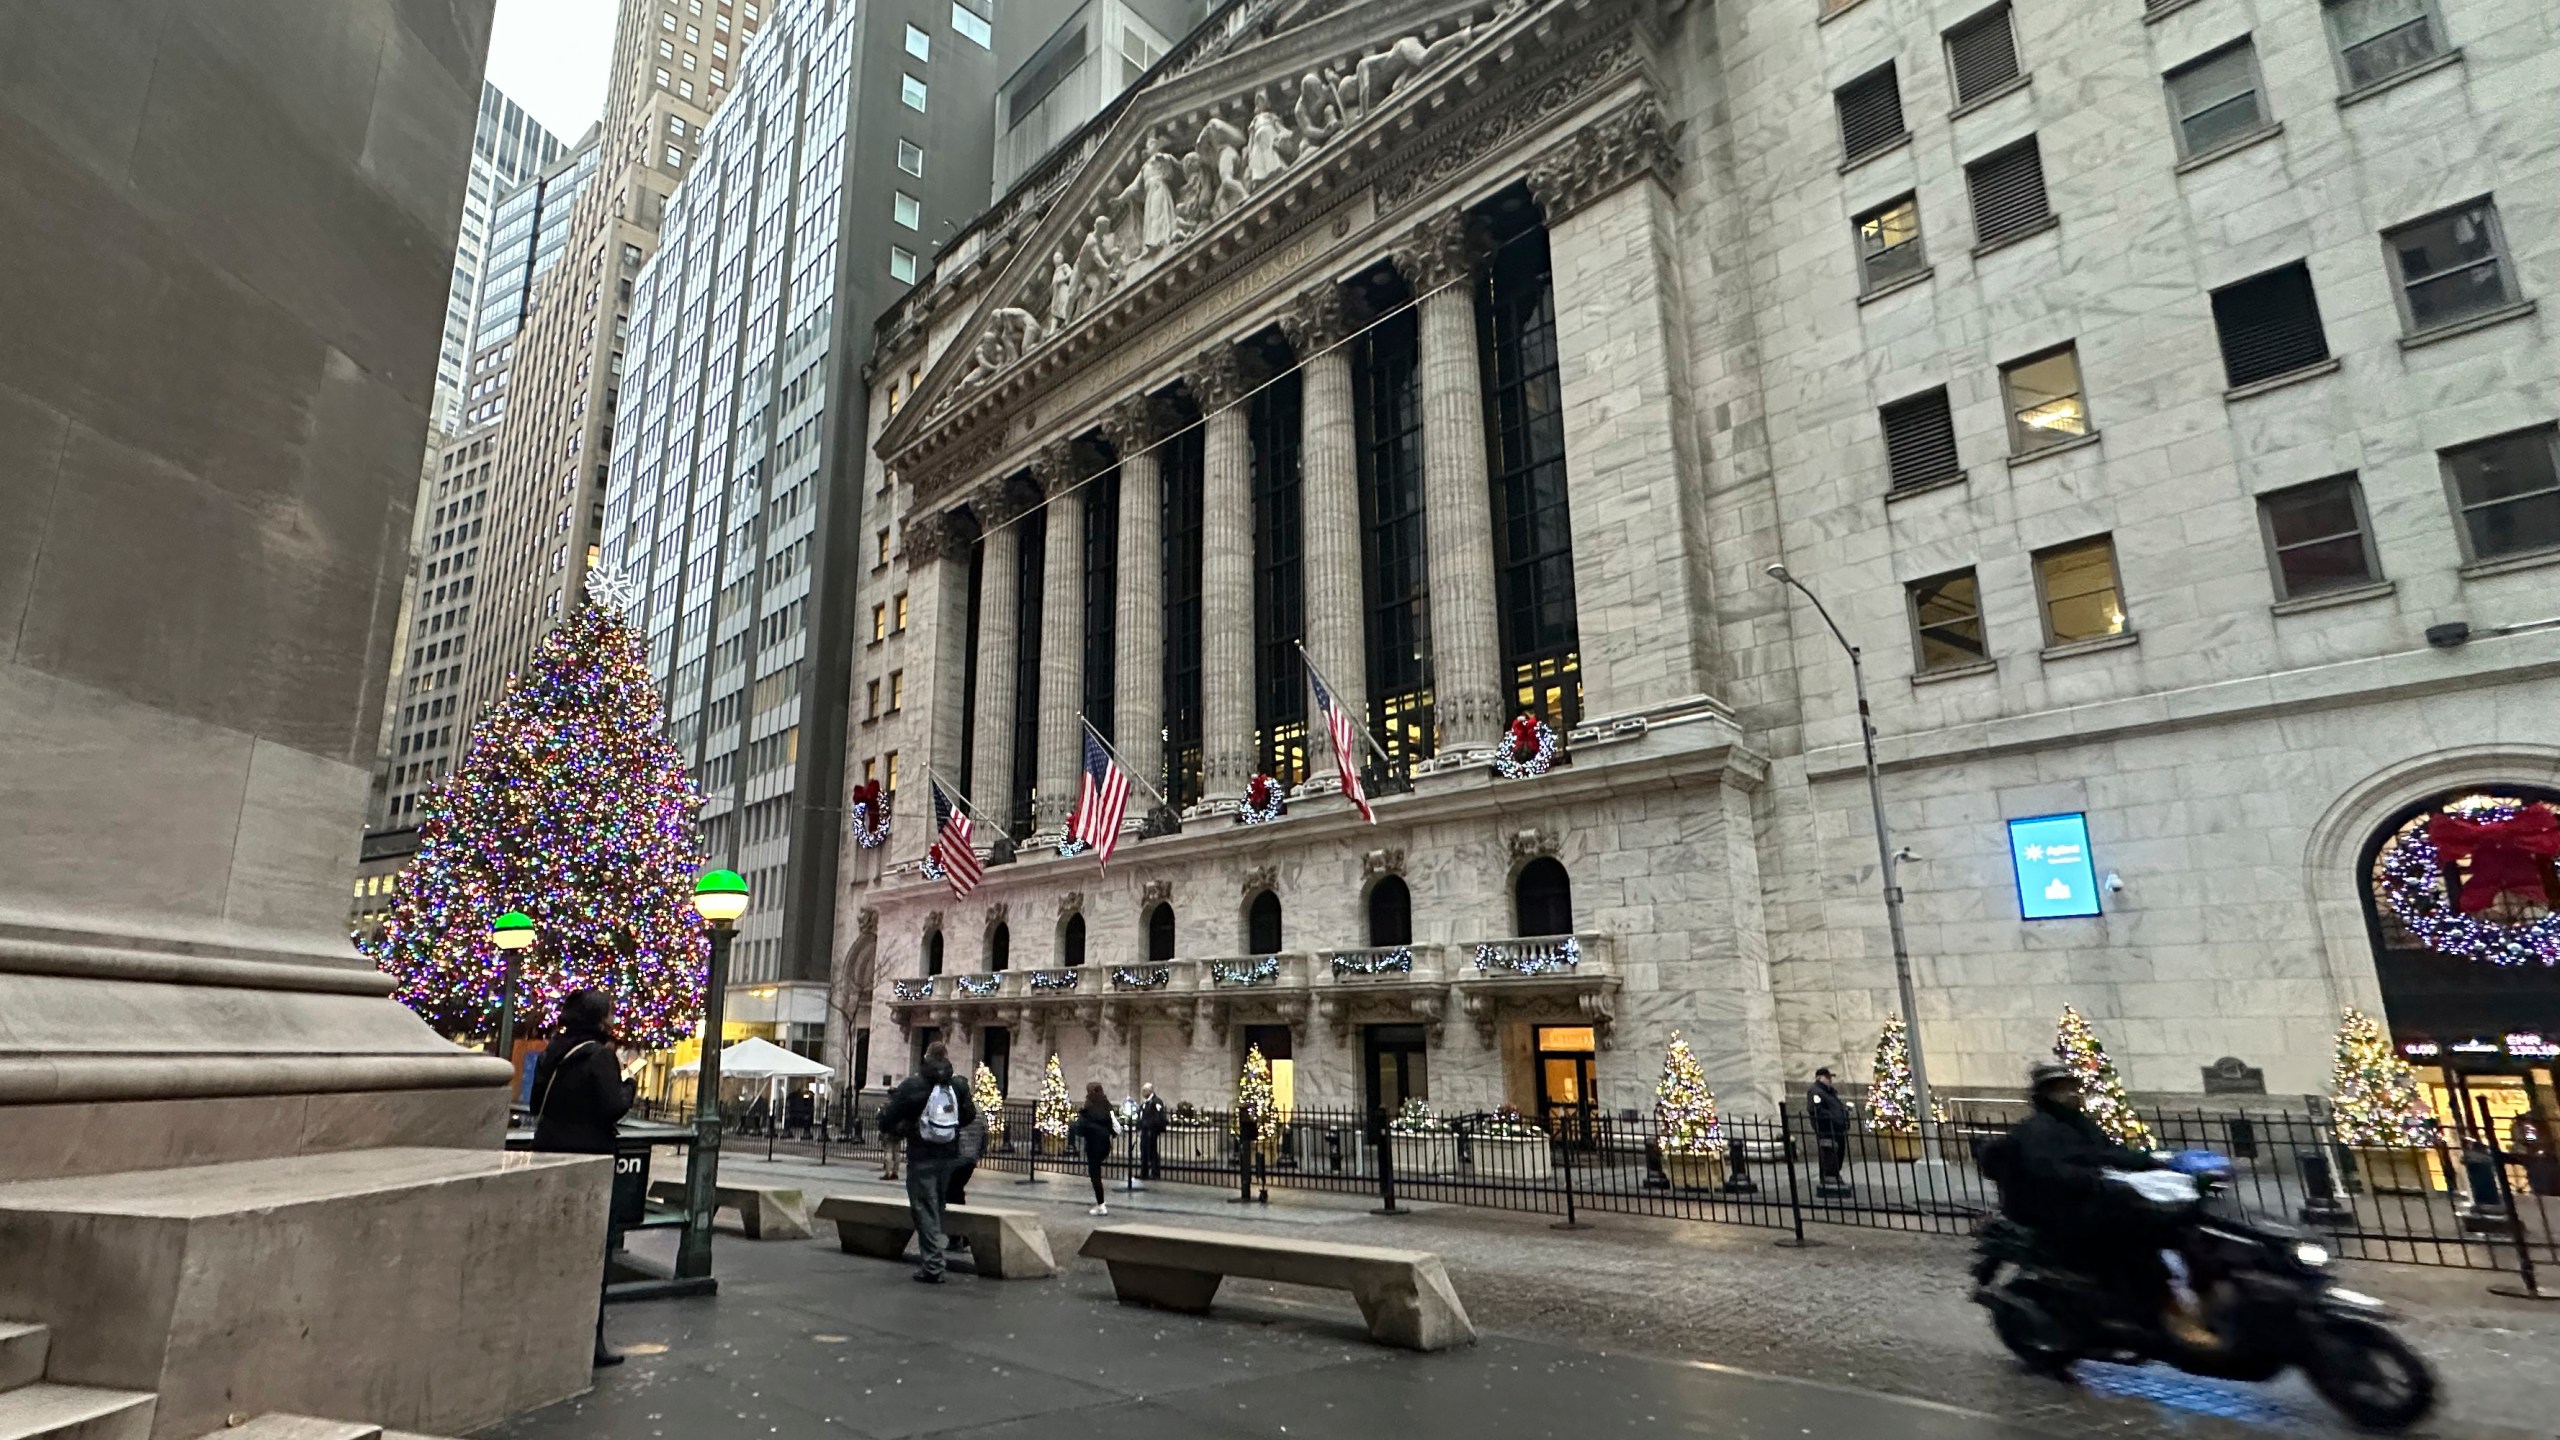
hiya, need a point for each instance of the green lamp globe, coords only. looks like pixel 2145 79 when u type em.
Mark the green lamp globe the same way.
pixel 721 896
pixel 512 931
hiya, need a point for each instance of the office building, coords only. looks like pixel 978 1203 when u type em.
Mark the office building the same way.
pixel 509 147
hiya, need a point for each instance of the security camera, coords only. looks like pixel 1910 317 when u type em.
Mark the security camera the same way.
pixel 1777 572
pixel 1906 853
pixel 2448 636
pixel 2115 882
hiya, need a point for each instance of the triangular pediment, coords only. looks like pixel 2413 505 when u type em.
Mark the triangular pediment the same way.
pixel 1183 167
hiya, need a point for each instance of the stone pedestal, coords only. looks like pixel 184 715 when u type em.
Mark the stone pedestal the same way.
pixel 439 1290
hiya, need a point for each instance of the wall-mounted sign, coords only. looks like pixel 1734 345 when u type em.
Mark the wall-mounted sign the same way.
pixel 2056 878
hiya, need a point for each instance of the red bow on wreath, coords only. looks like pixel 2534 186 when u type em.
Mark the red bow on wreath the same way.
pixel 868 793
pixel 1257 792
pixel 1524 737
pixel 2506 856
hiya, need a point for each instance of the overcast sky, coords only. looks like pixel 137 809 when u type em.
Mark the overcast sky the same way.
pixel 550 56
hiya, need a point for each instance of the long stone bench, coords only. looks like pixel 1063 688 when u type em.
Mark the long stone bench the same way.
pixel 1405 1295
pixel 766 1212
pixel 1005 1244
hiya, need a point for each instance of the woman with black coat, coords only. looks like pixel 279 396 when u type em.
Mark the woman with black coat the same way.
pixel 1093 1128
pixel 580 1097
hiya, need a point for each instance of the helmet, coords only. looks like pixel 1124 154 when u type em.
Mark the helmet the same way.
pixel 2047 1072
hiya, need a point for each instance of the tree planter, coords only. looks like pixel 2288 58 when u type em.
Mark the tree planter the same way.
pixel 1195 1145
pixel 2392 1170
pixel 1051 1145
pixel 1694 1172
pixel 1901 1149
pixel 1425 1154
pixel 1509 1157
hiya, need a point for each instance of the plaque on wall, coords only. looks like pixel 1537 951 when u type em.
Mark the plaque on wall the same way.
pixel 2230 1075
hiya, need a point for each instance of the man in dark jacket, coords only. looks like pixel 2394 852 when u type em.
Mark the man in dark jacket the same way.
pixel 928 1111
pixel 579 1099
pixel 2052 1176
pixel 1152 1123
pixel 1830 1131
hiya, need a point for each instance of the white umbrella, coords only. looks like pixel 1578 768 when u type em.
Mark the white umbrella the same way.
pixel 759 1060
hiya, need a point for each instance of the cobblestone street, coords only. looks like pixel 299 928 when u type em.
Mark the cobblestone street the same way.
pixel 1874 1311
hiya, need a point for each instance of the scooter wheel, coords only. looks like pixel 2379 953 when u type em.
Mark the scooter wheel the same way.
pixel 2033 1343
pixel 2371 1375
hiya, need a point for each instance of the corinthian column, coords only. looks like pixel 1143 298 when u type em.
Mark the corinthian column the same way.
pixel 1337 611
pixel 1137 669
pixel 991 779
pixel 1439 259
pixel 1226 582
pixel 1061 643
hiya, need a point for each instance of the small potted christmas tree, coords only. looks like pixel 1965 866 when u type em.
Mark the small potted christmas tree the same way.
pixel 1421 1141
pixel 1893 1105
pixel 1049 1120
pixel 1684 1118
pixel 1256 1102
pixel 2381 1113
pixel 2102 1095
pixel 990 1101
pixel 1508 1145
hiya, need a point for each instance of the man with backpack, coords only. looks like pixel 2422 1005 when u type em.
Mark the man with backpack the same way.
pixel 928 1111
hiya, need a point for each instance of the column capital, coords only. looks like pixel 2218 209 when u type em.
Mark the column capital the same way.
pixel 1632 141
pixel 1138 422
pixel 937 536
pixel 1216 376
pixel 1321 316
pixel 1439 250
pixel 1061 466
pixel 997 501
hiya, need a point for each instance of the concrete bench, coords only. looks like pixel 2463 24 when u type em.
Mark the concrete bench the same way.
pixel 1405 1295
pixel 766 1212
pixel 1005 1244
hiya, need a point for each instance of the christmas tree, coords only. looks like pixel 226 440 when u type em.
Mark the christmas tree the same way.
pixel 1893 1107
pixel 1684 1109
pixel 1253 1092
pixel 1052 1114
pixel 2377 1100
pixel 572 807
pixel 989 1096
pixel 2101 1089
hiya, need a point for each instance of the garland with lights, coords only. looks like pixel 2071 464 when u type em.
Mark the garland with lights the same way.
pixel 971 985
pixel 573 807
pixel 2373 1094
pixel 1125 978
pixel 1398 961
pixel 1261 972
pixel 1507 1123
pixel 1051 1116
pixel 1684 1109
pixel 911 989
pixel 1528 749
pixel 1055 979
pixel 1522 958
pixel 870 815
pixel 1416 1117
pixel 2500 847
pixel 2102 1096
pixel 1069 847
pixel 930 868
pixel 1893 1107
pixel 1265 800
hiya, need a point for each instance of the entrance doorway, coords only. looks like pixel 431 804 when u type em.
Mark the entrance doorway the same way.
pixel 1565 1056
pixel 1274 1041
pixel 1396 1064
pixel 995 1051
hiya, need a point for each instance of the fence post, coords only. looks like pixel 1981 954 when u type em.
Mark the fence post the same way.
pixel 2530 1278
pixel 1379 1134
pixel 1571 1220
pixel 1247 1133
pixel 1030 1153
pixel 1795 1197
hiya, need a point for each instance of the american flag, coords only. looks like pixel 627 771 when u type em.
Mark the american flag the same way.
pixel 951 849
pixel 1105 799
pixel 1346 745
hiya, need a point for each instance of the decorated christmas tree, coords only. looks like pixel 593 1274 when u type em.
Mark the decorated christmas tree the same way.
pixel 988 1095
pixel 2376 1098
pixel 1051 1116
pixel 2101 1089
pixel 1893 1106
pixel 1253 1092
pixel 573 807
pixel 1684 1109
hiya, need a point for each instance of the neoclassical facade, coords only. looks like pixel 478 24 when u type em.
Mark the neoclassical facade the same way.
pixel 1481 358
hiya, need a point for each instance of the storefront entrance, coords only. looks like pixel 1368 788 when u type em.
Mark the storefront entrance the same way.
pixel 1274 1040
pixel 1396 1062
pixel 995 1051
pixel 1565 1056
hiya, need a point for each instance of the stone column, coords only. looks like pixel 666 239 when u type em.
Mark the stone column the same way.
pixel 1439 258
pixel 1137 668
pixel 1337 609
pixel 937 555
pixel 991 778
pixel 1226 582
pixel 1640 546
pixel 1061 643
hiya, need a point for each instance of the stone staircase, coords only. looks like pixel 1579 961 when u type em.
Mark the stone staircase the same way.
pixel 33 1408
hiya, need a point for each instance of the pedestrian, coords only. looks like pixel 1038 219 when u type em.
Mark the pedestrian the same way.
pixel 1153 1121
pixel 579 1099
pixel 801 1115
pixel 928 1111
pixel 888 1147
pixel 973 1143
pixel 1830 1131
pixel 1094 1124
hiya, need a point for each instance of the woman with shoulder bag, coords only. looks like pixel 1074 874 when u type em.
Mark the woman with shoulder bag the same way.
pixel 580 1097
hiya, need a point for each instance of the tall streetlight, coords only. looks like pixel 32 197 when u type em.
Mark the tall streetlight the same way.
pixel 510 932
pixel 721 897
pixel 1889 861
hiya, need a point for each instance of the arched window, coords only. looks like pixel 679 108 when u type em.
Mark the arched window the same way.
pixel 1262 925
pixel 999 946
pixel 933 952
pixel 1071 941
pixel 1390 912
pixel 1543 899
pixel 1160 934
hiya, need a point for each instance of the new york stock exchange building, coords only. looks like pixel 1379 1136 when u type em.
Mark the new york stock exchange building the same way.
pixel 1469 366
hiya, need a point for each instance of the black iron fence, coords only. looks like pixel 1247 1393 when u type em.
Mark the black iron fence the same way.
pixel 2458 1205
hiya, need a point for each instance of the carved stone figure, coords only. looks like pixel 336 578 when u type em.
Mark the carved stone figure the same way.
pixel 1198 196
pixel 1095 267
pixel 1381 71
pixel 1149 199
pixel 1222 145
pixel 1062 290
pixel 1319 107
pixel 1269 145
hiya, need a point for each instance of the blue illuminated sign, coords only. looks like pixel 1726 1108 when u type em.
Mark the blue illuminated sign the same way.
pixel 2056 879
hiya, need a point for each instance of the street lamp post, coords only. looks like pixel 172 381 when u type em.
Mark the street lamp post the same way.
pixel 510 932
pixel 1889 861
pixel 721 897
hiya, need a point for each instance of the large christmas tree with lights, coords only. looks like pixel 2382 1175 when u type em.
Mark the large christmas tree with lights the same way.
pixel 1684 1109
pixel 2101 1089
pixel 1893 1102
pixel 1254 1095
pixel 1052 1115
pixel 2376 1098
pixel 573 807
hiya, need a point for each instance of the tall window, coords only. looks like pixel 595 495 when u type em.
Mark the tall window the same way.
pixel 1889 243
pixel 911 157
pixel 1101 500
pixel 1160 934
pixel 2078 585
pixel 1533 534
pixel 1946 622
pixel 1393 545
pixel 911 91
pixel 1262 925
pixel 1071 941
pixel 1031 563
pixel 1181 468
pixel 1542 898
pixel 1390 912
pixel 2046 407
pixel 999 947
pixel 1279 582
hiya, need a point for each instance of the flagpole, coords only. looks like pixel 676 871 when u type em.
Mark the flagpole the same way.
pixel 1117 759
pixel 1360 721
pixel 975 813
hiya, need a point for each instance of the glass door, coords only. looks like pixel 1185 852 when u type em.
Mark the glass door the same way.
pixel 1566 1054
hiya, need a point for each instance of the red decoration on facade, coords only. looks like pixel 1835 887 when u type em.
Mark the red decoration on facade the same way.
pixel 2506 854
pixel 1524 737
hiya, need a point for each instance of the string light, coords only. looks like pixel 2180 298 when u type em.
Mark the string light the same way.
pixel 2374 1093
pixel 1892 1106
pixel 2102 1096
pixel 1053 1113
pixel 1684 1109
pixel 2413 886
